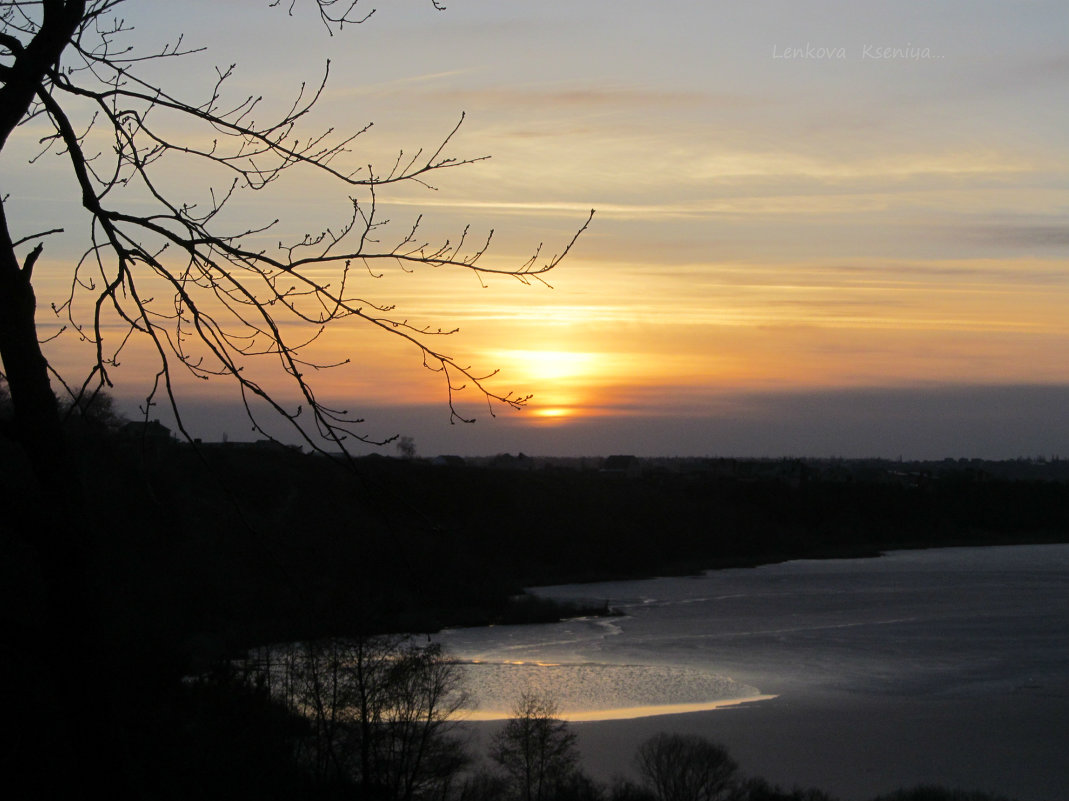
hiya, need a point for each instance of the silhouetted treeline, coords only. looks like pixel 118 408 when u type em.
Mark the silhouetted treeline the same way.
pixel 555 525
pixel 228 546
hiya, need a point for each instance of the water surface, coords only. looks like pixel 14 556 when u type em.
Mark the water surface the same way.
pixel 944 622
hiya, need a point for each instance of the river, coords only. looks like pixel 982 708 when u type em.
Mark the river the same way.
pixel 934 623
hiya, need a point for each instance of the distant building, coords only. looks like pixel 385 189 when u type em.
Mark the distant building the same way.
pixel 149 430
pixel 259 445
pixel 147 436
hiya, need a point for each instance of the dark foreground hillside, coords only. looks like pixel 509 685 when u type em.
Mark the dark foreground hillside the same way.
pixel 200 553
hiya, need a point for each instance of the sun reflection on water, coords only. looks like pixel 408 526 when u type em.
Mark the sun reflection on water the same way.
pixel 593 691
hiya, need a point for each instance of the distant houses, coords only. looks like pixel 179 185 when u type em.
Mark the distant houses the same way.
pixel 146 430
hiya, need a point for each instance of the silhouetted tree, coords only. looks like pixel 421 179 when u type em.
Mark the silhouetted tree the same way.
pixel 536 749
pixel 382 712
pixel 166 269
pixel 208 300
pixel 416 754
pixel 93 412
pixel 484 786
pixel 686 767
pixel 406 448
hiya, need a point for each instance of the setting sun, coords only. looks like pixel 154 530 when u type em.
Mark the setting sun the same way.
pixel 563 380
pixel 546 365
pixel 552 413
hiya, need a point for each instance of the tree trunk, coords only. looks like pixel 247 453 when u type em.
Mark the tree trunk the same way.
pixel 58 676
pixel 36 410
pixel 60 680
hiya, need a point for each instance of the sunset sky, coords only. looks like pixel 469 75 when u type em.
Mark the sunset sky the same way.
pixel 822 228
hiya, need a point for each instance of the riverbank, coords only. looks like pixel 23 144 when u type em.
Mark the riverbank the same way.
pixel 938 667
pixel 856 747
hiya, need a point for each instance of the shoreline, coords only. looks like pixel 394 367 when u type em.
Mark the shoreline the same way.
pixel 960 717
pixel 856 747
pixel 859 746
pixel 627 712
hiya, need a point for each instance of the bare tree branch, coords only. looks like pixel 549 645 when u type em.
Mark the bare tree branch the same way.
pixel 210 300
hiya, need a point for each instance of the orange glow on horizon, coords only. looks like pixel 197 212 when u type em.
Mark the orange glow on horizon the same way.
pixel 672 341
pixel 547 365
pixel 563 380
